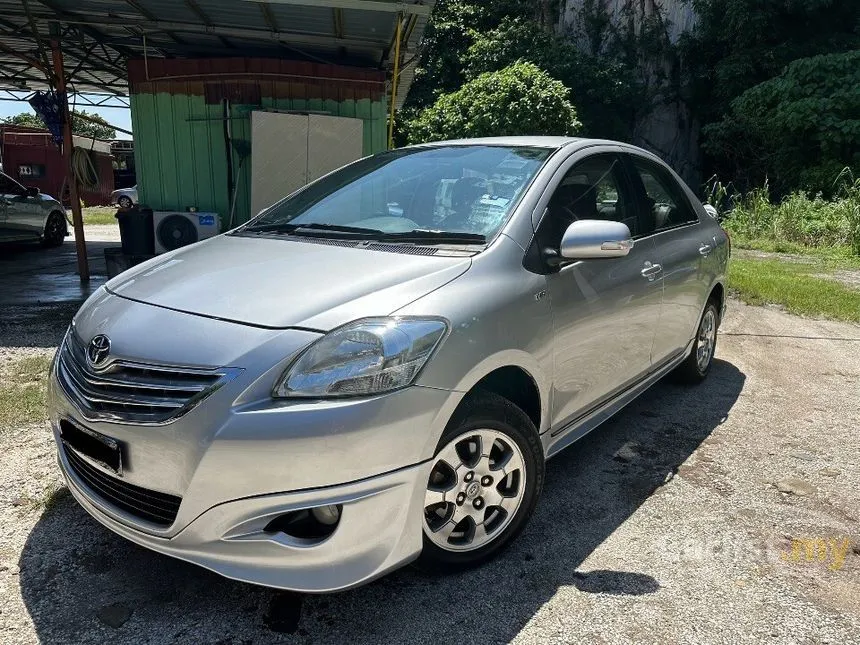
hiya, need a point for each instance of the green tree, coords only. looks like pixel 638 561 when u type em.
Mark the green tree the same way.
pixel 452 29
pixel 85 128
pixel 799 129
pixel 26 119
pixel 603 89
pixel 738 44
pixel 520 99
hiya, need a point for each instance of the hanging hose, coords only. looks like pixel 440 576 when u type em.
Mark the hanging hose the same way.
pixel 83 169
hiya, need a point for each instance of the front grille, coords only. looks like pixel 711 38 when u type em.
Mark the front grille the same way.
pixel 149 505
pixel 129 392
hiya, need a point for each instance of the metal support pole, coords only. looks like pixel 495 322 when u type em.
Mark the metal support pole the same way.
pixel 395 80
pixel 77 217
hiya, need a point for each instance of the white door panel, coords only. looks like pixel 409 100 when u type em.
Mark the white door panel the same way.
pixel 279 157
pixel 333 142
pixel 289 151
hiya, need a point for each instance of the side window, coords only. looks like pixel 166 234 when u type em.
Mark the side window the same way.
pixel 8 186
pixel 662 201
pixel 592 189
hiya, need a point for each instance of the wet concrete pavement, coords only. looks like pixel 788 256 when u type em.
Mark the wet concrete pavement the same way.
pixel 40 289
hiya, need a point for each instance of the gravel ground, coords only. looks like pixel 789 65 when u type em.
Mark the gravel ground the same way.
pixel 673 523
pixel 100 233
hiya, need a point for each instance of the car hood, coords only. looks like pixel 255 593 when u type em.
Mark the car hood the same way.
pixel 285 282
pixel 47 200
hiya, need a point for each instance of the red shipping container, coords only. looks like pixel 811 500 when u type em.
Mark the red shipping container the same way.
pixel 30 156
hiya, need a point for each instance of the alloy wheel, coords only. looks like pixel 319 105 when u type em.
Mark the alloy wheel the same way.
pixel 55 230
pixel 475 488
pixel 125 202
pixel 706 340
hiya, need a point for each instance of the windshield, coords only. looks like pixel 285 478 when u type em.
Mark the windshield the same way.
pixel 463 193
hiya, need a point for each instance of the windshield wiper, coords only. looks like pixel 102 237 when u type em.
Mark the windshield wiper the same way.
pixel 424 236
pixel 316 228
pixel 415 236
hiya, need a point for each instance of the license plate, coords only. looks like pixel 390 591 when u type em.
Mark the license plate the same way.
pixel 103 450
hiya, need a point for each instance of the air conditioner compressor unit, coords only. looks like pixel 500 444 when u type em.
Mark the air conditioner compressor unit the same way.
pixel 174 229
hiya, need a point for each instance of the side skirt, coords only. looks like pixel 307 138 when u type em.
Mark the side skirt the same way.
pixel 577 429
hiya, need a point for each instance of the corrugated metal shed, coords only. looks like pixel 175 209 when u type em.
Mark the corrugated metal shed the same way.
pixel 99 36
pixel 181 155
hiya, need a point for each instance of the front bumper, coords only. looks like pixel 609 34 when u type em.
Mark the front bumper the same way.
pixel 239 459
pixel 379 530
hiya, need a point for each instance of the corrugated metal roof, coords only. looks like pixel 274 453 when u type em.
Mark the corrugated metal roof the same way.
pixel 98 36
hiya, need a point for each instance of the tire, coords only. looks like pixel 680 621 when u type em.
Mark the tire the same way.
pixel 125 202
pixel 467 488
pixel 696 366
pixel 55 230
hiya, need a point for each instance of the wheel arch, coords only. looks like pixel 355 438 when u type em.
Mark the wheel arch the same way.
pixel 514 383
pixel 56 211
pixel 718 296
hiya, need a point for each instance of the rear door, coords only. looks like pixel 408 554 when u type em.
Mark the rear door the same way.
pixel 680 250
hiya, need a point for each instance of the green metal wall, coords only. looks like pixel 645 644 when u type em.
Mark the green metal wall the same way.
pixel 180 152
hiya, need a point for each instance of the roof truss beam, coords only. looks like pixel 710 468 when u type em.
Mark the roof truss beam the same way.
pixel 216 30
pixel 197 10
pixel 268 16
pixel 363 5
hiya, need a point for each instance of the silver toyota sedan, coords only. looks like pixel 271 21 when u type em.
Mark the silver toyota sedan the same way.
pixel 26 215
pixel 375 369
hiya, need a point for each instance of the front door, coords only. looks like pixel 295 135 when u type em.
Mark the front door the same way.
pixel 604 311
pixel 22 216
pixel 6 184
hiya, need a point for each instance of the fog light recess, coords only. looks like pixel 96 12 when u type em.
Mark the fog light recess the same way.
pixel 309 524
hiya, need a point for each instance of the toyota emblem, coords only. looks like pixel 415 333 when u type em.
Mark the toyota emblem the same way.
pixel 98 350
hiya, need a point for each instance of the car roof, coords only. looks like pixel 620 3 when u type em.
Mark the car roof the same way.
pixel 529 141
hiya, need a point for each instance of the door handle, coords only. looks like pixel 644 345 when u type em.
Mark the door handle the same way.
pixel 705 250
pixel 651 270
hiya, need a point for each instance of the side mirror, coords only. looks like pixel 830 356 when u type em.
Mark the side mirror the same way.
pixel 594 238
pixel 32 191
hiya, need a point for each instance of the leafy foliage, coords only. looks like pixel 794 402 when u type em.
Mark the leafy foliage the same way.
pixel 739 44
pixel 519 99
pixel 798 129
pixel 454 26
pixel 810 221
pixel 774 83
pixel 466 38
pixel 100 130
pixel 603 89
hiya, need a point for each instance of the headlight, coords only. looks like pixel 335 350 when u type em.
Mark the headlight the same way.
pixel 368 356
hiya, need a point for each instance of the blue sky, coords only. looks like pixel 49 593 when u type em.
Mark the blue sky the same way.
pixel 115 116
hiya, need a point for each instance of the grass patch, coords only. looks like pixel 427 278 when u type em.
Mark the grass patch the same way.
pixel 23 390
pixel 835 257
pixel 53 497
pixel 799 220
pixel 793 286
pixel 842 255
pixel 46 501
pixel 99 215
